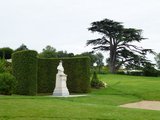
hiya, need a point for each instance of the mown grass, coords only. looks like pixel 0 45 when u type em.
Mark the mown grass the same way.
pixel 100 104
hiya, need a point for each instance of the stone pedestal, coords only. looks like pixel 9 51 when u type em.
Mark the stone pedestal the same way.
pixel 61 78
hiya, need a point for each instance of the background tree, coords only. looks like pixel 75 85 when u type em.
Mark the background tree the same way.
pixel 61 54
pixel 48 52
pixel 149 70
pixel 22 47
pixel 6 52
pixel 91 55
pixel 70 54
pixel 118 41
pixel 99 61
pixel 157 59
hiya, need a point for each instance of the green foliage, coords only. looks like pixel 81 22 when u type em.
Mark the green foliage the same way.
pixel 2 65
pixel 77 70
pixel 131 72
pixel 22 47
pixel 48 52
pixel 157 59
pixel 25 71
pixel 149 70
pixel 6 53
pixel 7 83
pixel 118 40
pixel 105 69
pixel 96 83
pixel 5 66
pixel 62 54
pixel 99 61
pixel 158 72
pixel 47 70
pixel 136 73
pixel 91 55
pixel 8 67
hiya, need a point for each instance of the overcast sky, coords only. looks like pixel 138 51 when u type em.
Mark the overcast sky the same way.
pixel 63 23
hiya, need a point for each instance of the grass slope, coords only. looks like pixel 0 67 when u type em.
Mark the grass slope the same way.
pixel 99 105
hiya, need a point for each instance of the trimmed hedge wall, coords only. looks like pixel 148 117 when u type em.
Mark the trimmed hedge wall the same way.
pixel 46 75
pixel 25 70
pixel 77 70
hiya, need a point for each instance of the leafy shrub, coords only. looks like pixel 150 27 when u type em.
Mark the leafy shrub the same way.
pixel 6 53
pixel 104 70
pixel 2 65
pixel 5 66
pixel 8 67
pixel 158 72
pixel 7 83
pixel 121 72
pixel 149 70
pixel 96 83
pixel 24 65
pixel 131 72
pixel 136 73
pixel 21 48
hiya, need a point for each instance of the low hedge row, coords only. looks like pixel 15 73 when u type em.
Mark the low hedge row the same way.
pixel 77 70
pixel 24 65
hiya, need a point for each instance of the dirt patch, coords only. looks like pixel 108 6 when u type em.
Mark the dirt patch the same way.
pixel 149 105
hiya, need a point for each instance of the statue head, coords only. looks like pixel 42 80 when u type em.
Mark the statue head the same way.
pixel 60 67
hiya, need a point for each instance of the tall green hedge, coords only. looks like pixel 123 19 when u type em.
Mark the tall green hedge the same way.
pixel 77 70
pixel 46 75
pixel 25 70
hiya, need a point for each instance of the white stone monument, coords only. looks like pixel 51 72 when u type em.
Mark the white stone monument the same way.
pixel 61 78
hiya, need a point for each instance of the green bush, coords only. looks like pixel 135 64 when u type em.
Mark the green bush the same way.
pixel 25 70
pixel 136 73
pixel 158 72
pixel 8 67
pixel 76 69
pixel 6 52
pixel 7 83
pixel 130 72
pixel 2 65
pixel 5 66
pixel 149 70
pixel 121 72
pixel 96 83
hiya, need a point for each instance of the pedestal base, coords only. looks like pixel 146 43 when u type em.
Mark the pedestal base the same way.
pixel 61 92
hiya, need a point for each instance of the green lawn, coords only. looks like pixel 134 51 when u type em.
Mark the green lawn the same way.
pixel 98 105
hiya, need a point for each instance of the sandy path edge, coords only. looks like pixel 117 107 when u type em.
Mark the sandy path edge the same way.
pixel 149 105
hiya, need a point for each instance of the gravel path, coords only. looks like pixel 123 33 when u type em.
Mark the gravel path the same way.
pixel 149 105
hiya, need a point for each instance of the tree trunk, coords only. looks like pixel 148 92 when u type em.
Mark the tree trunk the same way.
pixel 99 69
pixel 112 67
pixel 112 64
